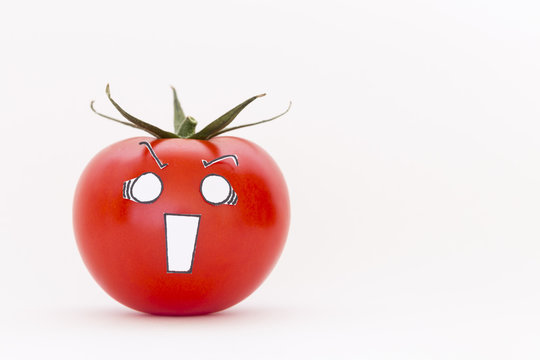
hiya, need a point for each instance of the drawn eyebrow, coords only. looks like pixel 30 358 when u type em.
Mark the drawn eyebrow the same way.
pixel 147 144
pixel 208 163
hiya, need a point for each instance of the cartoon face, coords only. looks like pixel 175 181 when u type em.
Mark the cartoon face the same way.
pixel 180 229
pixel 181 226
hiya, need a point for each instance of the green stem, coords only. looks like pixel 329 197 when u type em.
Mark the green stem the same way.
pixel 188 127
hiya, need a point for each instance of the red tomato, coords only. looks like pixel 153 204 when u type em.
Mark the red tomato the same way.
pixel 181 226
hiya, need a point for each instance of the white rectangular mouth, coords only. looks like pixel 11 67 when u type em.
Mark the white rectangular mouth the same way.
pixel 181 236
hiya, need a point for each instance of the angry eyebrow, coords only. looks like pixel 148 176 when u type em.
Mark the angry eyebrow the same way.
pixel 224 157
pixel 149 147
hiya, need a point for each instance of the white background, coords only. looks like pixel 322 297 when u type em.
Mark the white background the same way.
pixel 411 154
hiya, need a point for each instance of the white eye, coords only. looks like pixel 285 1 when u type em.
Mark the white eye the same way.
pixel 216 190
pixel 144 189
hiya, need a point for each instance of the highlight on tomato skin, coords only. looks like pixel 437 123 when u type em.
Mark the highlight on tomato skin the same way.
pixel 187 224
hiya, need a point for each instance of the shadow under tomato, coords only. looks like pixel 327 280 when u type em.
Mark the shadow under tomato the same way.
pixel 123 316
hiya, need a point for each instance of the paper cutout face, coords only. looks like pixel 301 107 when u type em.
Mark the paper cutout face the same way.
pixel 181 230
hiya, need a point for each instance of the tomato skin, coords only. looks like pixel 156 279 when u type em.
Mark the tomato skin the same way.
pixel 123 243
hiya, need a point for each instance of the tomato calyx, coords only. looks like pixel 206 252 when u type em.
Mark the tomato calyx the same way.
pixel 185 126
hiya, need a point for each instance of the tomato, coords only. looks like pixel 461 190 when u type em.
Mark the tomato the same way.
pixel 134 247
pixel 181 226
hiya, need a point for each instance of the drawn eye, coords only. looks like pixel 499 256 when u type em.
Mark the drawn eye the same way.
pixel 144 189
pixel 216 190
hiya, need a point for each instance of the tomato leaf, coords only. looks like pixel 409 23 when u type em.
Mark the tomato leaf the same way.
pixel 255 123
pixel 109 117
pixel 223 121
pixel 179 116
pixel 149 128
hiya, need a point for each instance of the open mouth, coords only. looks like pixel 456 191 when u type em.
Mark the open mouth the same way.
pixel 181 236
